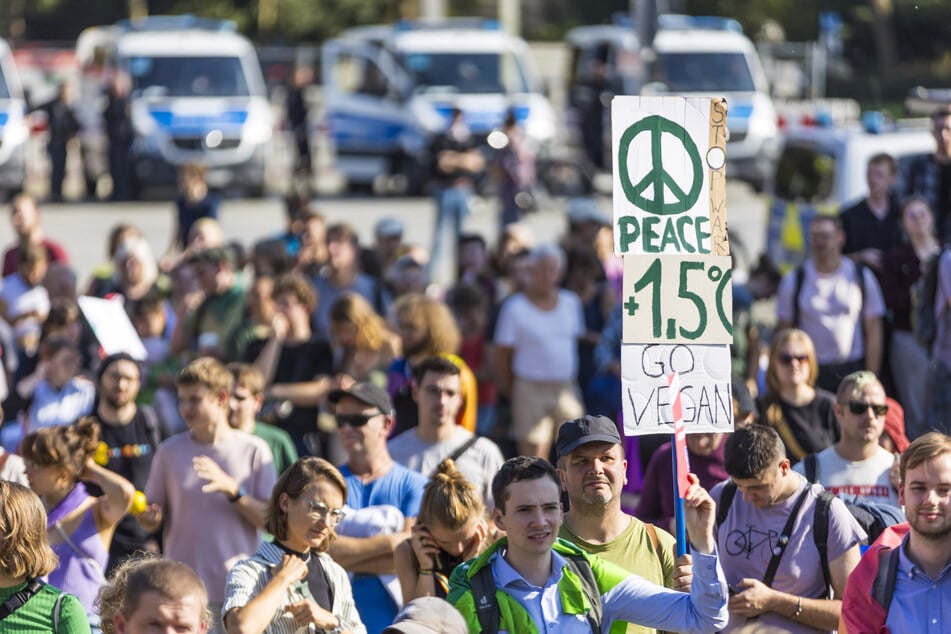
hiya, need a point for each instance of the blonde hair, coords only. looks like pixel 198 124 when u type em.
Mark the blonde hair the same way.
pixel 781 339
pixel 433 316
pixel 68 446
pixel 354 309
pixel 449 499
pixel 24 548
pixel 206 372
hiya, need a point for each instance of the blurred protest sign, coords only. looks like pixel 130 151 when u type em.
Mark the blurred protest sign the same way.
pixel 111 325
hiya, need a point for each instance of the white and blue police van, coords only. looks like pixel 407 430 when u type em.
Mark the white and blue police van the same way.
pixel 695 56
pixel 197 95
pixel 387 90
pixel 14 130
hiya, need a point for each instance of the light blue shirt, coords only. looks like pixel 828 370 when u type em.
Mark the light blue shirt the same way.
pixel 633 600
pixel 920 603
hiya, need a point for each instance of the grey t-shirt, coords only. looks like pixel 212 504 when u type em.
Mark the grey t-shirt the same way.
pixel 746 539
pixel 479 463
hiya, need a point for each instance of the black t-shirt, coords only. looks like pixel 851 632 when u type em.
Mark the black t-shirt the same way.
pixel 804 429
pixel 136 444
pixel 297 363
pixel 863 229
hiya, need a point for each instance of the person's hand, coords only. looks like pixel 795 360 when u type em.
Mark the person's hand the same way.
pixel 699 516
pixel 871 258
pixel 344 381
pixel 292 568
pixel 424 547
pixel 753 598
pixel 683 573
pixel 217 480
pixel 306 612
pixel 280 326
pixel 151 518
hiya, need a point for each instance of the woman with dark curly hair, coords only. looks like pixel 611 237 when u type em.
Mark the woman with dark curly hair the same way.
pixel 292 583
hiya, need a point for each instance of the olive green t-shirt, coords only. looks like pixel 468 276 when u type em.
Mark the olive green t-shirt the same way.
pixel 36 615
pixel 633 550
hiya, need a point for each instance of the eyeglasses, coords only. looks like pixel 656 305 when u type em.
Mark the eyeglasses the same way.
pixel 860 407
pixel 355 420
pixel 786 359
pixel 319 510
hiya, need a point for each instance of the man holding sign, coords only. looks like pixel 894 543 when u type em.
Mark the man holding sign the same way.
pixel 531 581
pixel 593 471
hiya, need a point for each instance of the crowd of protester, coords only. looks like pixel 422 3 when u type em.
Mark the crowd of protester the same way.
pixel 320 439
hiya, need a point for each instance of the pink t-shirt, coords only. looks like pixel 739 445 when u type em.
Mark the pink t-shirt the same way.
pixel 205 530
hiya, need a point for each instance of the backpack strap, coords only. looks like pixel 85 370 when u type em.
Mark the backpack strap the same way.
pixel 486 603
pixel 726 500
pixel 820 534
pixel 58 611
pixel 461 449
pixel 589 585
pixel 152 424
pixel 655 542
pixel 883 588
pixel 17 601
pixel 811 466
pixel 780 547
pixel 800 278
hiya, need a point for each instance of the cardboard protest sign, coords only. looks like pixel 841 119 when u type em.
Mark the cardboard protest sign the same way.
pixel 706 392
pixel 677 298
pixel 669 175
pixel 111 325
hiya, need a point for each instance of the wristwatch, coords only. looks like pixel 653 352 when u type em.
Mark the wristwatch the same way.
pixel 237 496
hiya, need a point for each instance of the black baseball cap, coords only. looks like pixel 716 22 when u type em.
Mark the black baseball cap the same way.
pixel 580 431
pixel 368 393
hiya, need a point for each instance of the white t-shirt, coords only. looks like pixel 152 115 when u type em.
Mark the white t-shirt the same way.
pixel 868 478
pixel 544 342
pixel 831 310
pixel 21 299
pixel 479 463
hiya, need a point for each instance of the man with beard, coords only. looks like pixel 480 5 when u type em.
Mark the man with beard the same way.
pixel 593 471
pixel 130 434
pixel 907 588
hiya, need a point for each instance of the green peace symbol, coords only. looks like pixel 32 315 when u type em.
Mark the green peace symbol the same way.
pixel 657 178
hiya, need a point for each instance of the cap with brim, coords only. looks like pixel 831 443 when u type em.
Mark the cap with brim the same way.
pixel 365 392
pixel 388 228
pixel 581 431
pixel 582 210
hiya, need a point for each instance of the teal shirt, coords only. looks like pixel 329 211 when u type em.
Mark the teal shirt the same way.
pixel 36 615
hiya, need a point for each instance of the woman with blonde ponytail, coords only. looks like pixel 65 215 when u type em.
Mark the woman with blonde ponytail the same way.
pixel 79 526
pixel 451 528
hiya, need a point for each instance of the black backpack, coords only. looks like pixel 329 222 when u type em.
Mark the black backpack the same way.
pixel 487 605
pixel 924 322
pixel 820 520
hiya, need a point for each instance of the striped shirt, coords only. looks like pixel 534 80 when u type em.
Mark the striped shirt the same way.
pixel 249 577
pixel 36 615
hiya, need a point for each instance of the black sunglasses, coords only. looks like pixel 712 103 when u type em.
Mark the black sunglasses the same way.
pixel 355 420
pixel 860 407
pixel 787 359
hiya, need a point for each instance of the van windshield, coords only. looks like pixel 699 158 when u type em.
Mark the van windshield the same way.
pixel 187 76
pixel 701 72
pixel 467 72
